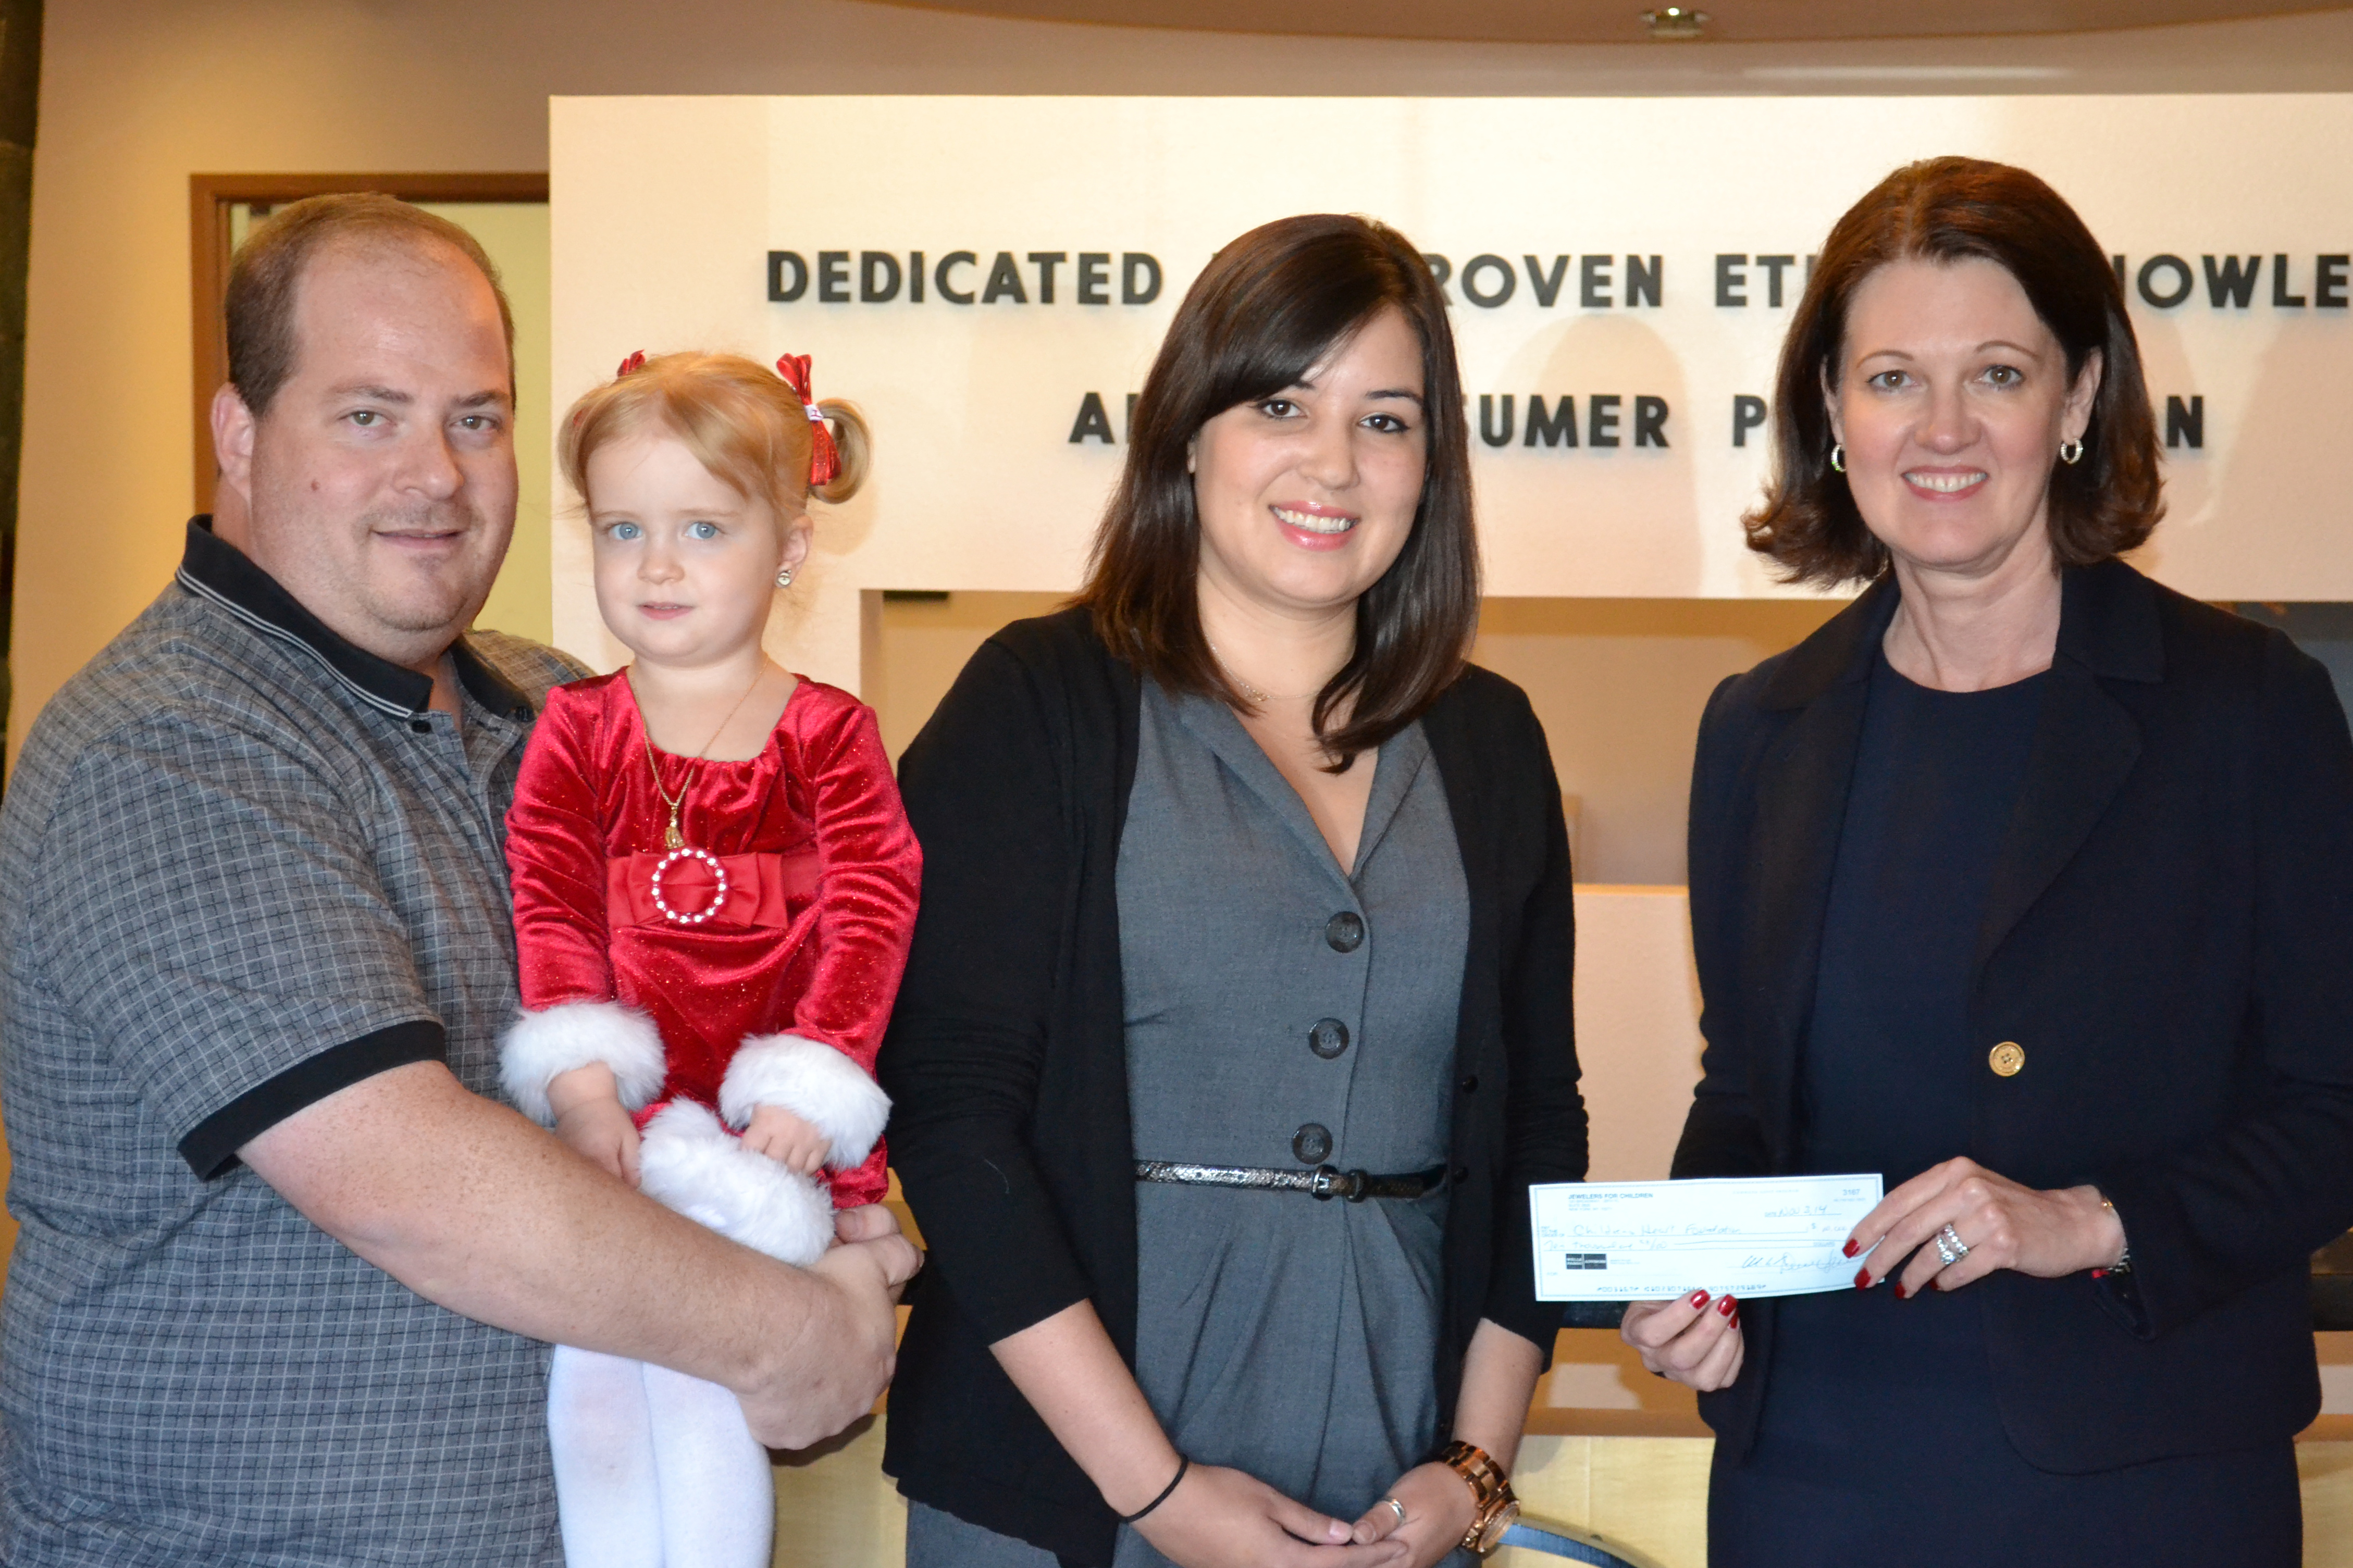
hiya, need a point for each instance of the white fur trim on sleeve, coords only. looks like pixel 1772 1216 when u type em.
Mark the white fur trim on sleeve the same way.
pixel 690 1163
pixel 815 1083
pixel 573 1034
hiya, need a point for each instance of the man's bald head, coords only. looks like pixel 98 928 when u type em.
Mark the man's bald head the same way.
pixel 265 276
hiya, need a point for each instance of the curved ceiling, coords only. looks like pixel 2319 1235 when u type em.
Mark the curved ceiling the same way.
pixel 1622 21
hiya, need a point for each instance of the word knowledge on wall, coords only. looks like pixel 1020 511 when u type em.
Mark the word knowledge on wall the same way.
pixel 2165 280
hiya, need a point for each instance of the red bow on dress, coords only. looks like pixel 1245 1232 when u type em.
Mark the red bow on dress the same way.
pixel 825 458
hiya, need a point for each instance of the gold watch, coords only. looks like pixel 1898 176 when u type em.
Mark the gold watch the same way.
pixel 1491 1495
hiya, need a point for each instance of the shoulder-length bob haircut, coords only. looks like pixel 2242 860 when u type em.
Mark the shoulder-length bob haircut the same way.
pixel 1270 307
pixel 1947 210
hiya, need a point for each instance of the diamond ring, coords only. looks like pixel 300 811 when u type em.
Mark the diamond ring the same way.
pixel 1950 1246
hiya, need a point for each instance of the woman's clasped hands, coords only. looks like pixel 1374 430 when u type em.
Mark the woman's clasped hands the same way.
pixel 1433 1512
pixel 1221 1518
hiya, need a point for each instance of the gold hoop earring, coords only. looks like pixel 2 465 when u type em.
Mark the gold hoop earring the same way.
pixel 2071 452
pixel 1838 457
pixel 785 578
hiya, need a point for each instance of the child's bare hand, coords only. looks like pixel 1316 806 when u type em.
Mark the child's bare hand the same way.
pixel 788 1140
pixel 590 1119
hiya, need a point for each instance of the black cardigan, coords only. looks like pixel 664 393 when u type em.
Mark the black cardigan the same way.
pixel 2170 938
pixel 1006 1060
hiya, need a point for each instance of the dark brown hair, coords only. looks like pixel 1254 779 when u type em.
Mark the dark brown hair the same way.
pixel 266 274
pixel 1268 309
pixel 1944 210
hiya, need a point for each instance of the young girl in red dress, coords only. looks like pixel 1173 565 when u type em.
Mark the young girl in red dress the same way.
pixel 715 885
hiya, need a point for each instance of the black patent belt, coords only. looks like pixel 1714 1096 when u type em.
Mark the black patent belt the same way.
pixel 1325 1182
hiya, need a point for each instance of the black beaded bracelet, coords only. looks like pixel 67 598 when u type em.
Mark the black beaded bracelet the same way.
pixel 1183 1463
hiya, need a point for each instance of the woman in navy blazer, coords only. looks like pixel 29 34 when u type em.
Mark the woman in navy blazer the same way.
pixel 2027 883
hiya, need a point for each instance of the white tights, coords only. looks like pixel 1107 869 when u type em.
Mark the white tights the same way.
pixel 654 1468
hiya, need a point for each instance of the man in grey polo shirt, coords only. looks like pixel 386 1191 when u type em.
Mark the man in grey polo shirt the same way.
pixel 285 1271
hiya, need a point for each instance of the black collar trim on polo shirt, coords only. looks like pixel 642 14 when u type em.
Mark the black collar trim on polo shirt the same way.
pixel 486 686
pixel 213 569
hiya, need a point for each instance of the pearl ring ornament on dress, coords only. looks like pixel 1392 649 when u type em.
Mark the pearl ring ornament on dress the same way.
pixel 1950 1246
pixel 718 900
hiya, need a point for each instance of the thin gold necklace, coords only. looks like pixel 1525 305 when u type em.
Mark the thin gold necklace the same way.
pixel 1257 699
pixel 673 838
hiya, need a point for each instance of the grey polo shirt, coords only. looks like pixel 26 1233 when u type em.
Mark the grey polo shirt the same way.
pixel 242 866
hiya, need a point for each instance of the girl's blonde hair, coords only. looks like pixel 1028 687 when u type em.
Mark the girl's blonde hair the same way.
pixel 740 419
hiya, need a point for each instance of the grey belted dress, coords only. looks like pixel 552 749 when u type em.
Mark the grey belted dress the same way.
pixel 1279 1014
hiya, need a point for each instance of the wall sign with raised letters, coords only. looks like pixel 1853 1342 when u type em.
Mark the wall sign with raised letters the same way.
pixel 989 279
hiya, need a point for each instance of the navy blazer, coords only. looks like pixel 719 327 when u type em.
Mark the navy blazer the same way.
pixel 2168 936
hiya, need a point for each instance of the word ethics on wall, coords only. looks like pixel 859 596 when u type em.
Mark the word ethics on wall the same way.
pixel 958 277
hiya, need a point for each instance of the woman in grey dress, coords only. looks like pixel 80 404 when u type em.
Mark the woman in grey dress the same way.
pixel 1237 1024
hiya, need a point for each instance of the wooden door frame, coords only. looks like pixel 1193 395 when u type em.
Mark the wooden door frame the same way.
pixel 210 196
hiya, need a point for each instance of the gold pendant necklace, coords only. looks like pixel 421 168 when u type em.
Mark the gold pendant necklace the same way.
pixel 673 836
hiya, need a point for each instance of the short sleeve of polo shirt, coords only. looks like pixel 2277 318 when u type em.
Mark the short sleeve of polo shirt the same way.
pixel 205 902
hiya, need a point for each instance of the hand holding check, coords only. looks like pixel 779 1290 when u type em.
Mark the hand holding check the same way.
pixel 1954 1222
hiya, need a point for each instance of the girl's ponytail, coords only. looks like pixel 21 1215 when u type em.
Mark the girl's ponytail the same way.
pixel 854 444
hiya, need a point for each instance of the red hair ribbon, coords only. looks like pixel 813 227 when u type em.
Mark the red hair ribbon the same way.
pixel 636 362
pixel 825 458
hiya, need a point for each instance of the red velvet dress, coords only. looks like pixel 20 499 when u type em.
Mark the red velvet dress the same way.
pixel 822 877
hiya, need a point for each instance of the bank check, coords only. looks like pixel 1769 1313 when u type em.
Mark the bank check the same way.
pixel 1632 1241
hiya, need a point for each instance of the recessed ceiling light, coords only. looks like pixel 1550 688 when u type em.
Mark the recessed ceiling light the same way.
pixel 1907 73
pixel 1676 23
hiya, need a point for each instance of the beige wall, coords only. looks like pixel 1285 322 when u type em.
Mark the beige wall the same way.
pixel 138 94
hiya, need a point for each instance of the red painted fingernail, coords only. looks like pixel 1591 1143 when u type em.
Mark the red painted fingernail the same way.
pixel 1899 1290
pixel 1862 1277
pixel 1853 1247
pixel 1698 1299
pixel 1727 1306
